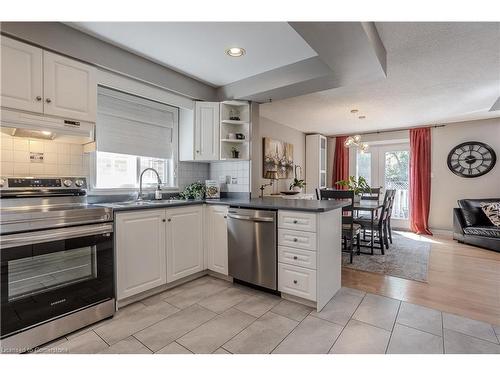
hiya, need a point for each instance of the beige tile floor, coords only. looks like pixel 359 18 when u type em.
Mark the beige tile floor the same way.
pixel 209 315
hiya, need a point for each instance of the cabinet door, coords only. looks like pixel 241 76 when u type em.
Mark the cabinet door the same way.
pixel 184 241
pixel 70 88
pixel 206 129
pixel 22 73
pixel 217 239
pixel 140 251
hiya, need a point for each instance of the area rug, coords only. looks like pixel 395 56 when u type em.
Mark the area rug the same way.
pixel 406 257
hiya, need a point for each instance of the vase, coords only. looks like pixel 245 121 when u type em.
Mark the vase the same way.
pixel 297 189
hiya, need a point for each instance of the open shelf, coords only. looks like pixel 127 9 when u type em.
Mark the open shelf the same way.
pixel 241 110
pixel 234 140
pixel 234 122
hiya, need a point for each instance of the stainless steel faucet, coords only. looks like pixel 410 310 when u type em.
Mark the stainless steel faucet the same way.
pixel 157 192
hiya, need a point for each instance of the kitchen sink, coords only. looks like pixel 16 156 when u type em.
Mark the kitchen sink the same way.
pixel 146 202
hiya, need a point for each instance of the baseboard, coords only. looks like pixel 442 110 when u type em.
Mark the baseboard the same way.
pixel 443 232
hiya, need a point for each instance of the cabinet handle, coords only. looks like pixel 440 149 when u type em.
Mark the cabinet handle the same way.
pixel 38 98
pixel 163 220
pixel 295 281
pixel 295 240
pixel 295 221
pixel 169 220
pixel 225 217
pixel 197 151
pixel 295 257
pixel 48 100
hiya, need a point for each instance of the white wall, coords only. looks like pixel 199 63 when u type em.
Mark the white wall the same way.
pixel 447 187
pixel 268 128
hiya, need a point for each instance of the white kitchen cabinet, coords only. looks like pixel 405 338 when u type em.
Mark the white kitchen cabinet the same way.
pixel 216 238
pixel 206 131
pixel 140 251
pixel 184 241
pixel 70 88
pixel 22 76
pixel 316 160
pixel 43 82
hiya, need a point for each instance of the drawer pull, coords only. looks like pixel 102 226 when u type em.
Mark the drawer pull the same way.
pixel 295 240
pixel 295 221
pixel 295 257
pixel 295 281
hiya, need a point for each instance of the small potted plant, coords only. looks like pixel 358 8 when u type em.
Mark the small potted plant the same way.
pixel 235 153
pixel 359 186
pixel 196 191
pixel 298 183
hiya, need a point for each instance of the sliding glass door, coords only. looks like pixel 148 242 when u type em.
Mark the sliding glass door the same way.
pixel 388 166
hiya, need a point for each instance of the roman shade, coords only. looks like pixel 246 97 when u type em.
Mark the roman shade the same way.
pixel 127 124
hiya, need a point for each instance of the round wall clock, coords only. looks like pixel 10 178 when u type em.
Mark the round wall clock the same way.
pixel 471 159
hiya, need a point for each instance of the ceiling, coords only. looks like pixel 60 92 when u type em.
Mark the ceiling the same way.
pixel 198 49
pixel 436 73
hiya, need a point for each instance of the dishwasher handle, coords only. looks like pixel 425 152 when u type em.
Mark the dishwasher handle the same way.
pixel 250 218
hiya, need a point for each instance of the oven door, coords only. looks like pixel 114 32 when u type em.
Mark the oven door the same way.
pixel 47 274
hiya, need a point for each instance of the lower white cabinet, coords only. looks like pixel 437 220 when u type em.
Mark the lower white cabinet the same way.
pixel 184 241
pixel 216 238
pixel 140 251
pixel 297 281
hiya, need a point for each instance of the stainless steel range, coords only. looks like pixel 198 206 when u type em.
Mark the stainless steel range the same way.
pixel 57 262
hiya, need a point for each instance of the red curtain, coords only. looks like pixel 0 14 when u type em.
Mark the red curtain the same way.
pixel 420 180
pixel 340 162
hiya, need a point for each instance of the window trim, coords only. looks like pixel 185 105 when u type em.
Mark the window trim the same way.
pixel 135 88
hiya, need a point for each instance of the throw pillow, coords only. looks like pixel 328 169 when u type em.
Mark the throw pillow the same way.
pixel 492 211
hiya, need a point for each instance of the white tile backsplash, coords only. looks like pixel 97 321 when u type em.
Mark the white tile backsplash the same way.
pixel 60 159
pixel 239 170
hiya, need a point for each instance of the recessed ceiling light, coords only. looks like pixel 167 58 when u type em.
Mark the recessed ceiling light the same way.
pixel 354 111
pixel 235 52
pixel 45 132
pixel 362 117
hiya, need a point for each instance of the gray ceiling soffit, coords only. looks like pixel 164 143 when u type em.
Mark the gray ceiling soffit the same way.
pixel 495 106
pixel 66 40
pixel 348 53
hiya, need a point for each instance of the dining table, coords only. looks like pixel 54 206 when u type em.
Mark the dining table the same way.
pixel 371 206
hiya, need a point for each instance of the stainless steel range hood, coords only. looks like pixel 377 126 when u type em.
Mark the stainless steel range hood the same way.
pixel 21 124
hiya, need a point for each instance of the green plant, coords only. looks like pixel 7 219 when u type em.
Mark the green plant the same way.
pixel 297 183
pixel 196 190
pixel 359 186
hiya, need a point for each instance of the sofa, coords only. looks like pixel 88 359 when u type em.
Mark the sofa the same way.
pixel 472 226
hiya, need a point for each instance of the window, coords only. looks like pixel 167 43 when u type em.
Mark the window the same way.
pixel 133 134
pixel 364 166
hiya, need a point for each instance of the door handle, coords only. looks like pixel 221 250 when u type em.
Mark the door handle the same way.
pixel 248 218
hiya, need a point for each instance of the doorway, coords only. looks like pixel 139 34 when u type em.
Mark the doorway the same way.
pixel 388 166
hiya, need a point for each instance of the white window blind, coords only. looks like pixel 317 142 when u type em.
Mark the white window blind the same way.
pixel 127 124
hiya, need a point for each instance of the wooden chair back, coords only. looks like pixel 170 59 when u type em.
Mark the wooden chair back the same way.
pixel 348 195
pixel 372 195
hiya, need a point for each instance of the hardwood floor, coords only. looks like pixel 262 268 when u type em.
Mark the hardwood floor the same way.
pixel 462 279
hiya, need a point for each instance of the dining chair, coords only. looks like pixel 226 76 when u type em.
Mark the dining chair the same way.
pixel 381 223
pixel 350 229
pixel 389 215
pixel 372 195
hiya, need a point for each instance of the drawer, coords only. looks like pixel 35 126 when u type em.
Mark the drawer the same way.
pixel 297 281
pixel 297 220
pixel 297 257
pixel 298 239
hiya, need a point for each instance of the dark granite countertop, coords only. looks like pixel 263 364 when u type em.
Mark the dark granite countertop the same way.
pixel 267 203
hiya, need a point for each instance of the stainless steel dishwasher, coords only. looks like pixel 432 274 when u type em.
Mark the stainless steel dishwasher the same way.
pixel 252 246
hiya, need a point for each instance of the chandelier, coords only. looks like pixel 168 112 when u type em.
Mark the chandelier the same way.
pixel 355 141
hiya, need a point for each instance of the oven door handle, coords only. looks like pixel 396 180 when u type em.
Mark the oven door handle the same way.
pixel 22 239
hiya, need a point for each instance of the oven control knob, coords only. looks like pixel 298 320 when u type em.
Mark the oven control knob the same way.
pixel 2 182
pixel 79 183
pixel 67 183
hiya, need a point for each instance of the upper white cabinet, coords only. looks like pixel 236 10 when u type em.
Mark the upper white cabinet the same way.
pixel 216 238
pixel 206 131
pixel 70 88
pixel 22 76
pixel 40 81
pixel 140 251
pixel 316 161
pixel 184 241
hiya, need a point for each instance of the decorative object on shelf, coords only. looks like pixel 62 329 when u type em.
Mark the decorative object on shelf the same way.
pixel 196 190
pixel 355 141
pixel 271 176
pixel 278 156
pixel 234 115
pixel 212 190
pixel 359 186
pixel 471 159
pixel 235 153
pixel 298 183
pixel 231 136
pixel 240 136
